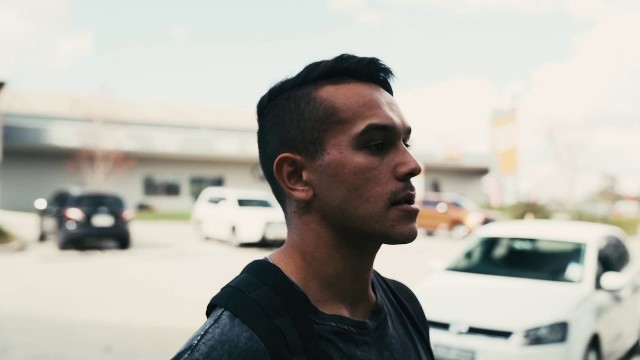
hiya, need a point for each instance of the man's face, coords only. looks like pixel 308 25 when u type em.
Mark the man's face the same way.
pixel 362 186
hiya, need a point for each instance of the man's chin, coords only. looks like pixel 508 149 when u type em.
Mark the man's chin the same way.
pixel 403 238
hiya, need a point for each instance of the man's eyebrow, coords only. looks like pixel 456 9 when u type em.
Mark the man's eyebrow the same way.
pixel 383 128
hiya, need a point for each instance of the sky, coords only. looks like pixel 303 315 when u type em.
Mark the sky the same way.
pixel 570 69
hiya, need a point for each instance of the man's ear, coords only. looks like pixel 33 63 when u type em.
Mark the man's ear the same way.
pixel 290 171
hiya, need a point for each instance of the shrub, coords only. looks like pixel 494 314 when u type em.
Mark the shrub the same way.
pixel 521 209
pixel 5 236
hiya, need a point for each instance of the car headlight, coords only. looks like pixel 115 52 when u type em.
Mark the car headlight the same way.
pixel 549 334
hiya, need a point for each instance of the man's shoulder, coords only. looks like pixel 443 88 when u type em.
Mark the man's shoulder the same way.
pixel 391 283
pixel 223 336
pixel 401 294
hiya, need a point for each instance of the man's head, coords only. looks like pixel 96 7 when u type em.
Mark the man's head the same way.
pixel 291 118
pixel 334 144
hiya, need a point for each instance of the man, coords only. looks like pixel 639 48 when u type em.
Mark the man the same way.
pixel 333 146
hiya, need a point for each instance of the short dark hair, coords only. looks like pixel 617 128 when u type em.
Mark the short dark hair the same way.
pixel 292 119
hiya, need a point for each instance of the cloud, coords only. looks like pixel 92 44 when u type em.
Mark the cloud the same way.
pixel 40 34
pixel 589 101
pixel 578 117
pixel 576 8
pixel 453 114
pixel 179 32
pixel 602 78
pixel 363 11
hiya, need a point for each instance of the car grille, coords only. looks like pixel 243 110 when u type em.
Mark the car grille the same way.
pixel 471 330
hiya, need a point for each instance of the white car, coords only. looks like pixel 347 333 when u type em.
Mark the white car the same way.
pixel 536 289
pixel 238 216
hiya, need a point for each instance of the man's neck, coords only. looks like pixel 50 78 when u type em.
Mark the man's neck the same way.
pixel 333 273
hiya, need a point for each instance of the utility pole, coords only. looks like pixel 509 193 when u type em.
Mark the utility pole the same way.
pixel 1 141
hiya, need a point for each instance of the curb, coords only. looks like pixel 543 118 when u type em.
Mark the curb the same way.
pixel 14 245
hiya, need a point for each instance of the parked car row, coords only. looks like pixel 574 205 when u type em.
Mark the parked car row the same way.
pixel 520 289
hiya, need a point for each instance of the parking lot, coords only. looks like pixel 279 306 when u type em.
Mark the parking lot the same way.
pixel 141 303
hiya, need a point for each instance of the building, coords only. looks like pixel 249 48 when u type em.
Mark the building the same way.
pixel 154 154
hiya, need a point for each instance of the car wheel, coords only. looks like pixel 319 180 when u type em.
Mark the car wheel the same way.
pixel 459 231
pixel 42 237
pixel 592 352
pixel 233 237
pixel 199 227
pixel 429 232
pixel 124 243
pixel 64 244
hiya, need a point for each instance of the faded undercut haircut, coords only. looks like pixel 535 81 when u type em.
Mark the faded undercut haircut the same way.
pixel 292 119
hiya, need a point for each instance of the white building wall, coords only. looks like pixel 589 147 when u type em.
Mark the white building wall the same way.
pixel 464 184
pixel 27 177
pixel 233 174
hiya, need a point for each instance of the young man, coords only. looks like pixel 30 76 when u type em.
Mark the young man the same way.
pixel 334 148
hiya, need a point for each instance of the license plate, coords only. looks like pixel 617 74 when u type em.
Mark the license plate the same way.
pixel 102 220
pixel 442 352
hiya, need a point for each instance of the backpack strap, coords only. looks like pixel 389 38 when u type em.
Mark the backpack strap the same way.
pixel 265 299
pixel 411 305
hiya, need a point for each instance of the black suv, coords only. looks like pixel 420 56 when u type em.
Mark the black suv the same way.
pixel 75 216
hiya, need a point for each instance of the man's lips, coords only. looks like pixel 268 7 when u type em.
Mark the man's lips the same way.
pixel 405 199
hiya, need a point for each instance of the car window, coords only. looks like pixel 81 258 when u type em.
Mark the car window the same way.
pixel 430 203
pixel 254 203
pixel 524 258
pixel 457 204
pixel 59 199
pixel 467 204
pixel 95 201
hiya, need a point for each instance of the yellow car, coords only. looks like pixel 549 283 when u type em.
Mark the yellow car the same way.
pixel 455 213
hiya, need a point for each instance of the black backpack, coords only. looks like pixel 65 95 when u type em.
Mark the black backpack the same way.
pixel 264 298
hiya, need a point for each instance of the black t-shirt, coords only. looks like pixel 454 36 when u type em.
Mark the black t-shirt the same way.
pixel 389 333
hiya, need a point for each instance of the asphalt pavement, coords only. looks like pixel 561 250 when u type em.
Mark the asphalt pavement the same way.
pixel 140 303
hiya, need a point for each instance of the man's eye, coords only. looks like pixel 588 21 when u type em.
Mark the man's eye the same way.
pixel 406 144
pixel 376 147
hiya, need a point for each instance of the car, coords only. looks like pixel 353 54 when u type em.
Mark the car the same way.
pixel 239 216
pixel 535 289
pixel 75 215
pixel 453 212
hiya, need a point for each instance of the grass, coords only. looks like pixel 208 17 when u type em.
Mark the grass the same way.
pixel 5 236
pixel 629 225
pixel 153 215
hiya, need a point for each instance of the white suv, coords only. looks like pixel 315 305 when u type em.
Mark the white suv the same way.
pixel 238 216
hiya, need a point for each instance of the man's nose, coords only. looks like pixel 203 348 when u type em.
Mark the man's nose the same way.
pixel 410 167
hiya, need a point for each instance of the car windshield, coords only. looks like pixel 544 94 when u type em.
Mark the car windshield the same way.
pixel 254 202
pixel 524 258
pixel 95 201
pixel 468 204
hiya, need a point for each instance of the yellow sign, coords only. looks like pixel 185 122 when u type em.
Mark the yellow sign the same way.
pixel 504 134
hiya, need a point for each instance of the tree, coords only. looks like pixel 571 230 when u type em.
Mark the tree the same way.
pixel 96 161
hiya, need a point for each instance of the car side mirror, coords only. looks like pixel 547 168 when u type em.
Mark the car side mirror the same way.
pixel 614 281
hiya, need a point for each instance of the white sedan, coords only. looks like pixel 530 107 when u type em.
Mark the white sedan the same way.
pixel 238 216
pixel 536 289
